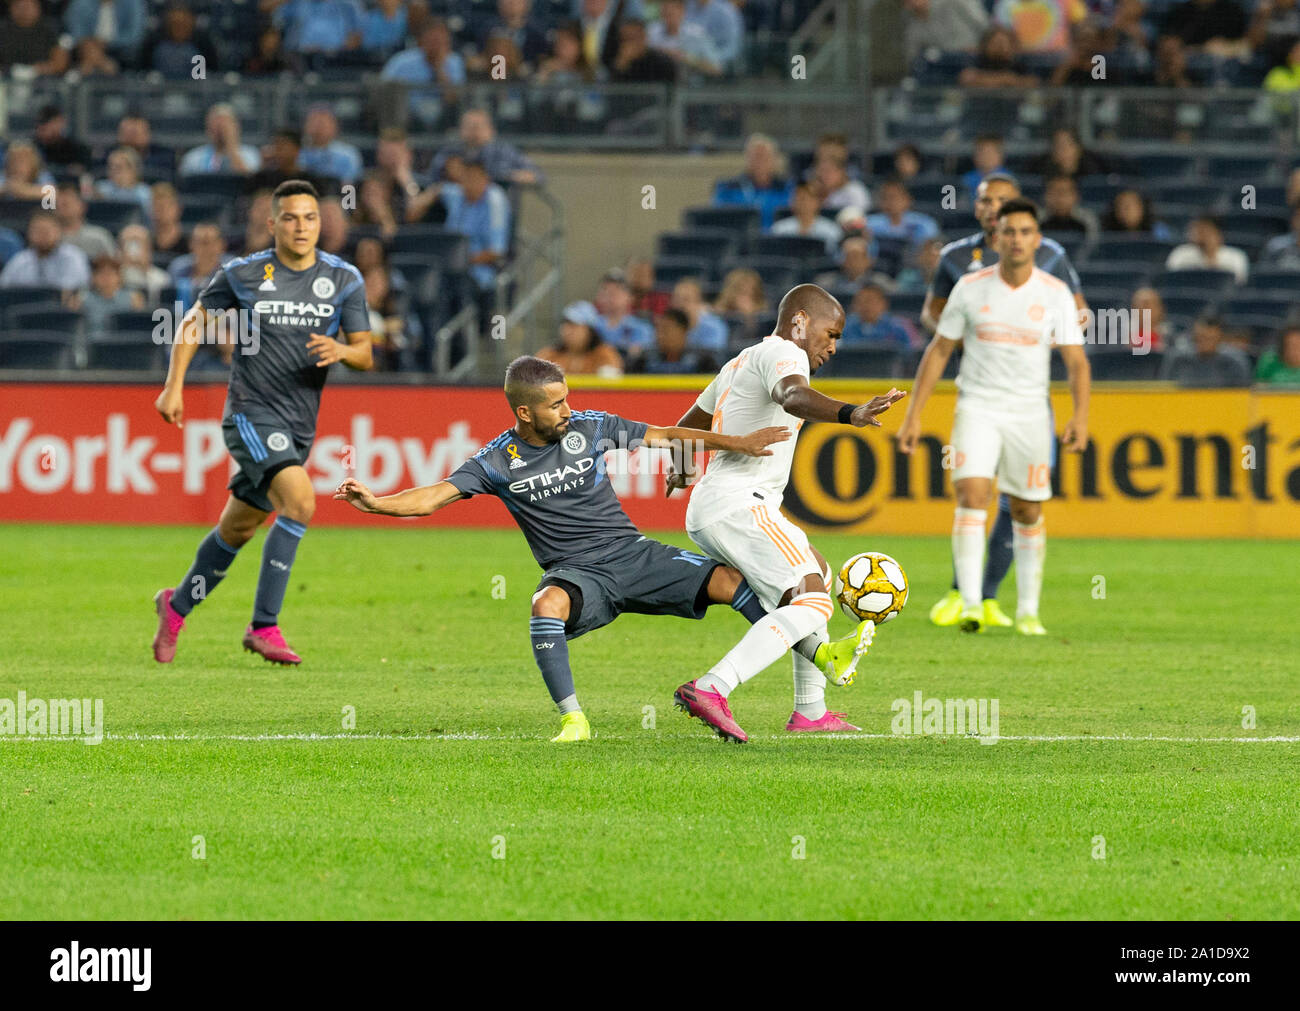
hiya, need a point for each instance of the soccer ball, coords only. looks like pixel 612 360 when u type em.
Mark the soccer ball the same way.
pixel 872 586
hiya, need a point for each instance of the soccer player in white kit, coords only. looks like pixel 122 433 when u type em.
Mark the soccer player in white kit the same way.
pixel 735 516
pixel 1008 317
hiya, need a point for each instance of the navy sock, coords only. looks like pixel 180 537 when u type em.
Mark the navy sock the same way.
pixel 747 603
pixel 210 564
pixel 277 560
pixel 551 651
pixel 997 561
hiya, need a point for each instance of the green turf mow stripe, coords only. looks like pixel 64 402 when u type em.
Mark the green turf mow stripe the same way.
pixel 472 736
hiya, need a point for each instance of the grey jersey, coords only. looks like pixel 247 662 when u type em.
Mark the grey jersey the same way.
pixel 559 493
pixel 973 253
pixel 280 382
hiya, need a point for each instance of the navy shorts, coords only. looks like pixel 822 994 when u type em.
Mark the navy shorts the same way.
pixel 261 449
pixel 646 578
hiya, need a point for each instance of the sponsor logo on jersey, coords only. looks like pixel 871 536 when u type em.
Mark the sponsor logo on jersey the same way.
pixel 560 476
pixel 322 287
pixel 286 312
pixel 268 278
pixel 1036 313
pixel 574 442
pixel 277 442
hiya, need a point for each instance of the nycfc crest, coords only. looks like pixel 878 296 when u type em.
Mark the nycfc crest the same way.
pixel 322 287
pixel 574 442
pixel 277 441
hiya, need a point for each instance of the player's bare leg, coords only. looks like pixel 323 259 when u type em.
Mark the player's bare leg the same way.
pixel 551 608
pixel 1029 545
pixel 295 503
pixel 239 521
pixel 973 497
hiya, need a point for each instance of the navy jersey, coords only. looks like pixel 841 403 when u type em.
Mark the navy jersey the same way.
pixel 279 382
pixel 971 253
pixel 559 493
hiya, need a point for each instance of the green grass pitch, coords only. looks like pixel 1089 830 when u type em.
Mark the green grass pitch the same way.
pixel 448 801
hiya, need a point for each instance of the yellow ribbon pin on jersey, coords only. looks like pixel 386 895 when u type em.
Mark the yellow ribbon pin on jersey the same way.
pixel 269 272
pixel 512 451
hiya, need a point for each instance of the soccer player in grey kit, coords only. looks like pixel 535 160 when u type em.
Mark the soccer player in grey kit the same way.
pixel 297 298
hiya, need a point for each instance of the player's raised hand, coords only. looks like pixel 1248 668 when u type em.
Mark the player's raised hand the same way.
pixel 673 479
pixel 1075 437
pixel 865 414
pixel 356 494
pixel 756 443
pixel 909 434
pixel 326 349
pixel 171 407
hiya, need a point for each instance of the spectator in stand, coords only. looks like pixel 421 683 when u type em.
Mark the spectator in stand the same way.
pixel 91 59
pixel 1283 251
pixel 394 161
pixel 870 322
pixel 908 162
pixel 375 204
pixel 1204 248
pixel 106 296
pixel 117 25
pixel 138 270
pixel 10 243
pixel 1080 68
pixel 478 141
pixel 997 63
pixel 27 39
pixel 371 254
pixel 70 208
pixel 1169 67
pixel 1127 34
pixel 838 188
pixel 387 322
pixel 742 304
pixel 1066 157
pixel 172 49
pixel 191 272
pixel 479 209
pixel 628 56
pixel 333 226
pixel 25 177
pixel 223 153
pixel 897 222
pixel 915 278
pixel 707 331
pixel 323 154
pixel 48 261
pixel 158 159
pixel 646 299
pixel 383 28
pixel 684 40
pixel 317 29
pixel 1130 211
pixel 579 350
pixel 1152 329
pixel 1216 26
pixel 281 160
pixel 66 154
pixel 431 63
pixel 514 21
pixel 948 25
pixel 1038 28
pixel 669 354
pixel 1281 366
pixel 268 54
pixel 614 319
pixel 257 230
pixel 857 267
pixel 123 182
pixel 1274 28
pixel 567 61
pixel 1293 188
pixel 988 156
pixel 1207 363
pixel 725 28
pixel 165 220
pixel 763 185
pixel 1062 211
pixel 594 17
pixel 807 221
pixel 1285 77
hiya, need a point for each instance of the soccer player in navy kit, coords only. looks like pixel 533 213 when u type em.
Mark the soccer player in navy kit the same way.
pixel 958 258
pixel 297 299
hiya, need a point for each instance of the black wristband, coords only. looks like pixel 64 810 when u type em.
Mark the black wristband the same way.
pixel 846 413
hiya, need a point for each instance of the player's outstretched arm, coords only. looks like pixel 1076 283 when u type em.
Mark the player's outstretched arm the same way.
pixel 189 335
pixel 753 444
pixel 1079 370
pixel 798 398
pixel 412 502
pixel 933 362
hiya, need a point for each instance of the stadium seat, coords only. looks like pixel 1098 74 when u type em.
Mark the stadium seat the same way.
pixel 1072 242
pixel 1159 167
pixel 437 244
pixel 1211 282
pixel 1259 328
pixel 124 351
pixel 114 214
pixel 1248 168
pixel 908 304
pixel 671 269
pixel 739 220
pixel 796 247
pixel 14 212
pixel 135 321
pixel 884 362
pixel 43 316
pixel 1273 280
pixel 200 207
pixel 10 297
pixel 1186 303
pixel 709 243
pixel 36 349
pixel 1262 224
pixel 216 184
pixel 779 273
pixel 1120 363
pixel 1204 195
pixel 1263 304
pixel 1112 247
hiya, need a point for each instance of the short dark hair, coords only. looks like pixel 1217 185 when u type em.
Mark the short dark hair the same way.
pixel 1018 205
pixel 676 316
pixel 525 377
pixel 1061 177
pixel 1209 318
pixel 293 188
pixel 290 134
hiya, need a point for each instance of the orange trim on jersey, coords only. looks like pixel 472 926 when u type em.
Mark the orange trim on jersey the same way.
pixel 1052 281
pixel 776 536
pixel 821 604
pixel 777 531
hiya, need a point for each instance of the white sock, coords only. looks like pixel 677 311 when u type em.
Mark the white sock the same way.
pixel 809 689
pixel 1028 547
pixel 968 553
pixel 766 642
pixel 807 646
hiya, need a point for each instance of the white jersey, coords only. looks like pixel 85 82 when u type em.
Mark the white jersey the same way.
pixel 740 401
pixel 1007 336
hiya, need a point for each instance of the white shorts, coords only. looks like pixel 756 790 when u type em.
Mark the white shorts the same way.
pixel 771 552
pixel 1014 448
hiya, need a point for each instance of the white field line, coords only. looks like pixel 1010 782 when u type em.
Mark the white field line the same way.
pixel 476 736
